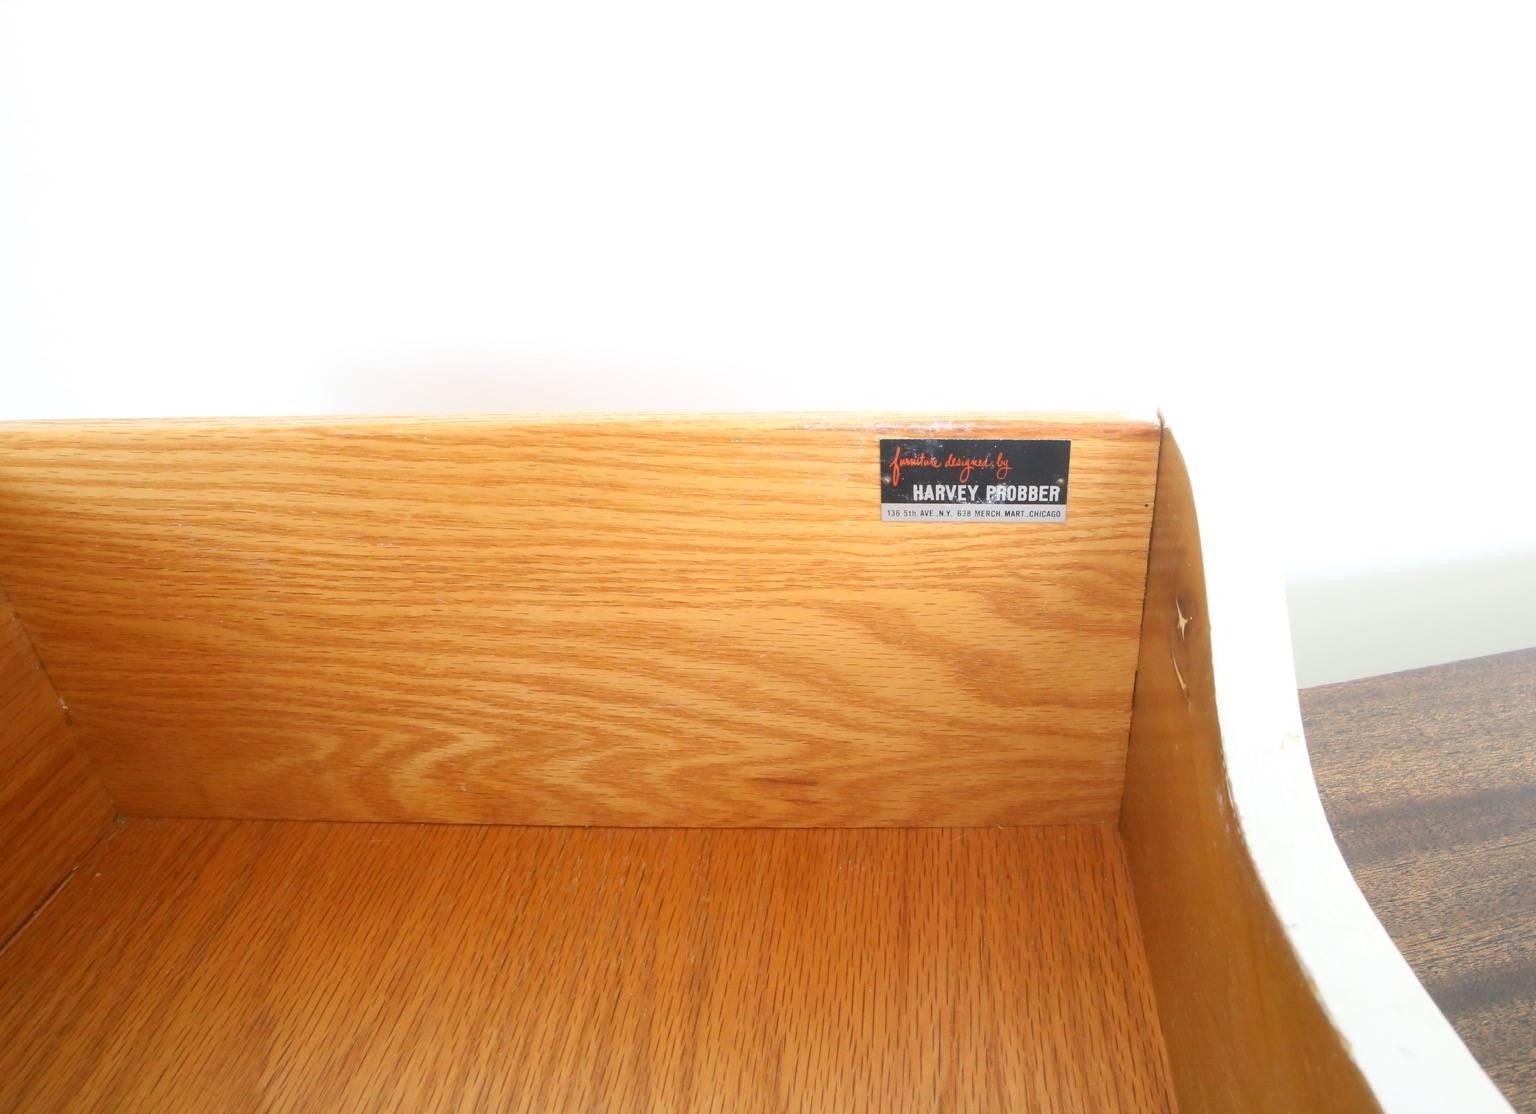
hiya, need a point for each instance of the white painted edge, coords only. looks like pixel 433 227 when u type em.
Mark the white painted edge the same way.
pixel 1410 1055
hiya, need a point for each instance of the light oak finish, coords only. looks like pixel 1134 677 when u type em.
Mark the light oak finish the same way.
pixel 1277 988
pixel 1246 1031
pixel 569 621
pixel 52 805
pixel 241 965
pixel 814 733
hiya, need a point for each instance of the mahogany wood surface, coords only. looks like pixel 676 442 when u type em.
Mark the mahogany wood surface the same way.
pixel 1429 779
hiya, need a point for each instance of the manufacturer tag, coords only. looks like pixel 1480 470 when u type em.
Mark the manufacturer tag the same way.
pixel 953 479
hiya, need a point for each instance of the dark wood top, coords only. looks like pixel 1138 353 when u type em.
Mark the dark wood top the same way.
pixel 1429 780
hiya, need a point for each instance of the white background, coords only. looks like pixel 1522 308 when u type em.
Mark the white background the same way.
pixel 1313 222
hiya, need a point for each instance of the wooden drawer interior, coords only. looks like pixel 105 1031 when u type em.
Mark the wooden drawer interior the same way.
pixel 622 764
pixel 402 966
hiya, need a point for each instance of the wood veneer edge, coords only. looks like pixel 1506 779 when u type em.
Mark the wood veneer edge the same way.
pixel 88 857
pixel 41 665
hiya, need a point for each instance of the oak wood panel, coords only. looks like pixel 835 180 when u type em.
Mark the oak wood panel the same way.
pixel 1245 1033
pixel 244 965
pixel 571 621
pixel 1277 989
pixel 1429 781
pixel 52 805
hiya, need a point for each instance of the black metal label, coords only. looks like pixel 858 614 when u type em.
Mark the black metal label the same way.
pixel 952 479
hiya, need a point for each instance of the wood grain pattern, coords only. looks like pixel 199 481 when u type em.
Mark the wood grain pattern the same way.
pixel 52 805
pixel 1244 1030
pixel 1277 989
pixel 631 622
pixel 1429 780
pixel 244 965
